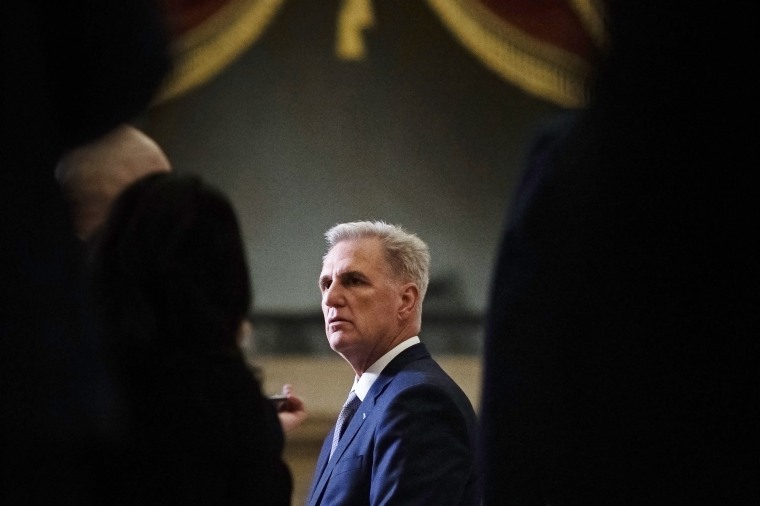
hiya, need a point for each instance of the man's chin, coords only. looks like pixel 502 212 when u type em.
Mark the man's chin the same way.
pixel 338 340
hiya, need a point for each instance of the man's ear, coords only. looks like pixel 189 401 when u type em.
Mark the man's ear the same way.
pixel 410 295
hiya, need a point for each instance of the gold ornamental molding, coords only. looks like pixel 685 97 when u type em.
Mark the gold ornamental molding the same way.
pixel 537 65
pixel 204 50
pixel 546 48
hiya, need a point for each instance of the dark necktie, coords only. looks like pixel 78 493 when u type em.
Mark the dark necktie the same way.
pixel 346 413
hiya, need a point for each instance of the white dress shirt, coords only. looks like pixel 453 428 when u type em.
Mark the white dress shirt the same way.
pixel 364 383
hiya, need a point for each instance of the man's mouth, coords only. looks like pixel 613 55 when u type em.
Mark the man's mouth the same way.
pixel 335 323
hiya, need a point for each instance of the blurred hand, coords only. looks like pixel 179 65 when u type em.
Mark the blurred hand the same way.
pixel 292 411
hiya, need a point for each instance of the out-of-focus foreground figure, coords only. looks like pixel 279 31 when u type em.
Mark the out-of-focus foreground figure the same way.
pixel 71 72
pixel 621 345
pixel 93 175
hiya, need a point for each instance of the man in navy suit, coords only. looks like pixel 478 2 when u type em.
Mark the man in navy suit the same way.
pixel 413 438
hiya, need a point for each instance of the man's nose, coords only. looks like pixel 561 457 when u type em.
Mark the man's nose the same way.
pixel 333 296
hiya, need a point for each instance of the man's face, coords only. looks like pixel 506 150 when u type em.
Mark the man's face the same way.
pixel 360 300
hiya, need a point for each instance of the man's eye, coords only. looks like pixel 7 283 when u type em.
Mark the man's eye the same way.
pixel 324 285
pixel 353 281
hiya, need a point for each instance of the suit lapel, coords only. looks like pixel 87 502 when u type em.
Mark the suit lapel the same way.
pixel 326 465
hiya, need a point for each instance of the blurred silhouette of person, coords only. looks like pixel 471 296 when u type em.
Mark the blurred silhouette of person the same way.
pixel 174 287
pixel 621 338
pixel 92 176
pixel 71 72
pixel 411 437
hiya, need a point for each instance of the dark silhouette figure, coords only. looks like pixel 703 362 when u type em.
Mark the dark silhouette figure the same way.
pixel 621 341
pixel 71 71
pixel 175 291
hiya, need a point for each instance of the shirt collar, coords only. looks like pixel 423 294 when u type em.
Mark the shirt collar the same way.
pixel 362 385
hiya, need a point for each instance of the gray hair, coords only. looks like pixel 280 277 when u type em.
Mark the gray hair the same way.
pixel 407 254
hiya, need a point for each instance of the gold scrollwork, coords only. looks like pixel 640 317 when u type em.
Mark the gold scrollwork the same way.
pixel 538 67
pixel 207 49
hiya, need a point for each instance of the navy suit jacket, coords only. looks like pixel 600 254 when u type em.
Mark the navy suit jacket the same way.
pixel 412 441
